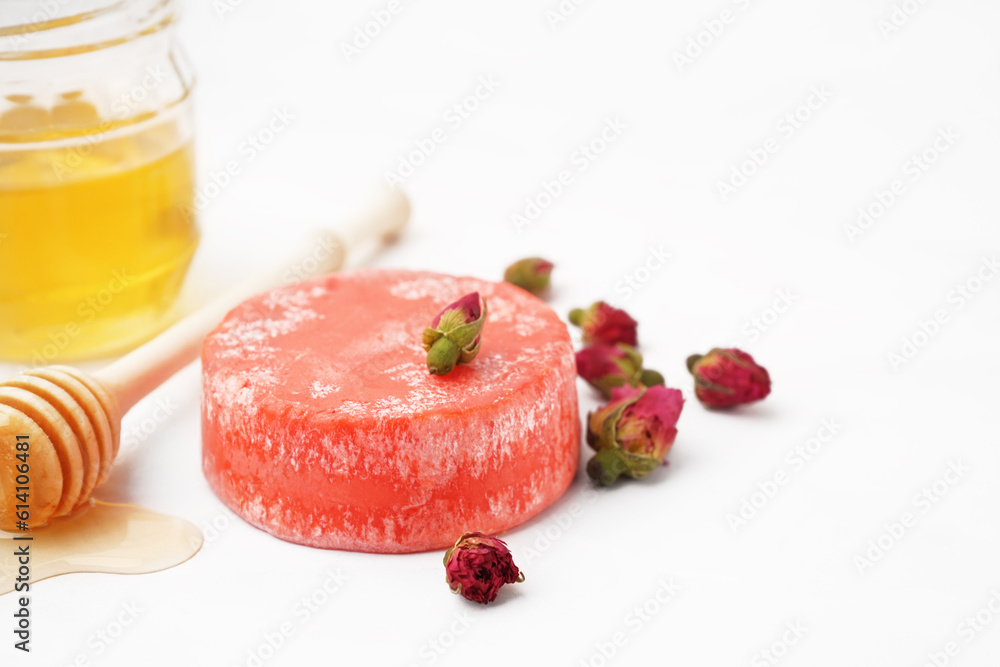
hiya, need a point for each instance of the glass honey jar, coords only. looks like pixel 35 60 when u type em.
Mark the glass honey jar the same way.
pixel 96 176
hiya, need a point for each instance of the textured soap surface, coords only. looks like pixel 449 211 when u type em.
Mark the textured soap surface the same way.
pixel 322 426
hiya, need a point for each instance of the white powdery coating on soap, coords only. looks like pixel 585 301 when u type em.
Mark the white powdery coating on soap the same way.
pixel 526 323
pixel 420 392
pixel 434 448
pixel 426 393
pixel 319 390
pixel 412 434
pixel 236 393
pixel 507 502
pixel 426 288
pixel 280 313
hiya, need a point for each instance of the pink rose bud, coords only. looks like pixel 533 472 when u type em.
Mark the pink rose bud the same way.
pixel 530 274
pixel 633 433
pixel 478 565
pixel 724 378
pixel 455 334
pixel 605 325
pixel 606 367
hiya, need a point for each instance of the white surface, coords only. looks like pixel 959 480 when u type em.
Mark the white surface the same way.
pixel 654 187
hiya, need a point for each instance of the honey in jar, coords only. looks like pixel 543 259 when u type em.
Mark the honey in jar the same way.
pixel 96 185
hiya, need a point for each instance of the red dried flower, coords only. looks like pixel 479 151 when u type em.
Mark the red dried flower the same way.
pixel 478 565
pixel 605 367
pixel 633 433
pixel 605 325
pixel 727 377
pixel 455 334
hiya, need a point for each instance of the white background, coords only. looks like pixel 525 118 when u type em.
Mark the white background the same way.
pixel 655 186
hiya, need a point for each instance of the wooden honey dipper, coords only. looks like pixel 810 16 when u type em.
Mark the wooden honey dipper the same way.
pixel 71 420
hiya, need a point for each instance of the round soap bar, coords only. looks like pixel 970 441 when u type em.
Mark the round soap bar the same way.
pixel 322 426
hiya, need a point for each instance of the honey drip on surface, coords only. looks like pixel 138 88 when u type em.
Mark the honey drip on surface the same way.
pixel 102 537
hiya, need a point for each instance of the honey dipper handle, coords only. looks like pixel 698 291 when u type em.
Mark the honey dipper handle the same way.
pixel 144 369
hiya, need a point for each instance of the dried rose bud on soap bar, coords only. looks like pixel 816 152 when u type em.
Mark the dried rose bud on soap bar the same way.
pixel 322 426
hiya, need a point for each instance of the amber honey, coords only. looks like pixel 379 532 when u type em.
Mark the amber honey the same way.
pixel 100 537
pixel 96 228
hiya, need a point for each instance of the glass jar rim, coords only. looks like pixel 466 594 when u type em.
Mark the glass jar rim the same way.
pixel 43 30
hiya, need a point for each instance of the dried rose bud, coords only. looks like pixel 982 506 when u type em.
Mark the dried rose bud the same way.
pixel 478 565
pixel 606 367
pixel 531 274
pixel 455 334
pixel 606 325
pixel 724 378
pixel 633 433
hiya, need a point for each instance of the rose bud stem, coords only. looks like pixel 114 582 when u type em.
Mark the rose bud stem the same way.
pixel 692 360
pixel 606 466
pixel 441 357
pixel 651 378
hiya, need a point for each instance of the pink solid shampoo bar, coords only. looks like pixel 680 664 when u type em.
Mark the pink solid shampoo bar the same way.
pixel 322 426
